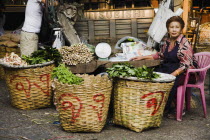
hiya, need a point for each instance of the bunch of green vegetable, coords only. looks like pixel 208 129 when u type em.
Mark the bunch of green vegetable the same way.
pixel 34 60
pixel 146 73
pixel 64 75
pixel 42 55
pixel 121 69
pixel 127 70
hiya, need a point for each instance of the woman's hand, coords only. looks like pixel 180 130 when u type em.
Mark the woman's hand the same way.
pixel 173 74
pixel 136 58
pixel 148 57
pixel 177 72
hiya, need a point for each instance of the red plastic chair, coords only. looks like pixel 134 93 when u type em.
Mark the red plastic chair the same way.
pixel 203 59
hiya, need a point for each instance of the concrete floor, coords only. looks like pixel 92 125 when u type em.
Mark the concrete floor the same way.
pixel 16 124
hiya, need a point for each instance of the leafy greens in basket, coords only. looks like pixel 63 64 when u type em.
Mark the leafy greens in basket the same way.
pixel 65 76
pixel 127 70
pixel 42 55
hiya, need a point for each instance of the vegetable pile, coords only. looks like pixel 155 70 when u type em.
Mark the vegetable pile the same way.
pixel 13 59
pixel 65 76
pixel 127 70
pixel 76 54
pixel 42 55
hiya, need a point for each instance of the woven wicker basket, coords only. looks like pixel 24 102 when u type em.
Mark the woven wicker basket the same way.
pixel 139 105
pixel 83 108
pixel 202 48
pixel 30 87
pixel 1 73
pixel 3 51
pixel 16 50
pixel 2 54
pixel 204 34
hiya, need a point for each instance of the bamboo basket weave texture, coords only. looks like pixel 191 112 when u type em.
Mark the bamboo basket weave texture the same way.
pixel 202 48
pixel 30 88
pixel 204 34
pixel 2 74
pixel 203 44
pixel 2 54
pixel 84 107
pixel 139 105
pixel 3 51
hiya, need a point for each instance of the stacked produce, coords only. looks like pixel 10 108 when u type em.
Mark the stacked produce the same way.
pixel 9 43
pixel 38 57
pixel 76 54
pixel 10 40
pixel 13 59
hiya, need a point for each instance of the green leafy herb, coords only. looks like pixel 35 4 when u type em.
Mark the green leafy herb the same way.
pixel 146 73
pixel 129 40
pixel 64 75
pixel 42 55
pixel 33 60
pixel 121 69
pixel 127 70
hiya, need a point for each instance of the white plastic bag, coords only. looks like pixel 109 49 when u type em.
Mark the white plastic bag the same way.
pixel 158 29
pixel 58 43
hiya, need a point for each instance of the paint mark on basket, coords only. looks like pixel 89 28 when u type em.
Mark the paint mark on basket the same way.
pixel 74 104
pixel 99 98
pixel 153 101
pixel 24 83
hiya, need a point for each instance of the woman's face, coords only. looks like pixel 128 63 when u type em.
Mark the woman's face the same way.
pixel 174 29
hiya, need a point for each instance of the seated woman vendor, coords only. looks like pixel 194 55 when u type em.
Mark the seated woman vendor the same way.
pixel 177 56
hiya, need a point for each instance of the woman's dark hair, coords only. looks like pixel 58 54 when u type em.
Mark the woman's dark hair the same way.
pixel 177 19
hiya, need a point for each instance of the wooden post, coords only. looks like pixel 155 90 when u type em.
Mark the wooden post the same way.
pixel 112 30
pixel 134 27
pixel 91 32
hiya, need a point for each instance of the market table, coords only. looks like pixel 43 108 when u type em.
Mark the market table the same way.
pixel 93 65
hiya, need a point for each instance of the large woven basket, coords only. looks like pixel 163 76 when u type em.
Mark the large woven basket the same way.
pixel 83 108
pixel 2 54
pixel 139 105
pixel 3 51
pixel 30 86
pixel 1 73
pixel 202 48
pixel 204 34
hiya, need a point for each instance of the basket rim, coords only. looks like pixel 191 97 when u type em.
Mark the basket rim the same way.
pixel 55 80
pixel 170 79
pixel 28 66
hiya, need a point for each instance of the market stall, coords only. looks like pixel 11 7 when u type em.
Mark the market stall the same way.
pixel 83 100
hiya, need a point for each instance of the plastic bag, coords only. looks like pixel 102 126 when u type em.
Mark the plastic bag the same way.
pixel 58 43
pixel 158 29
